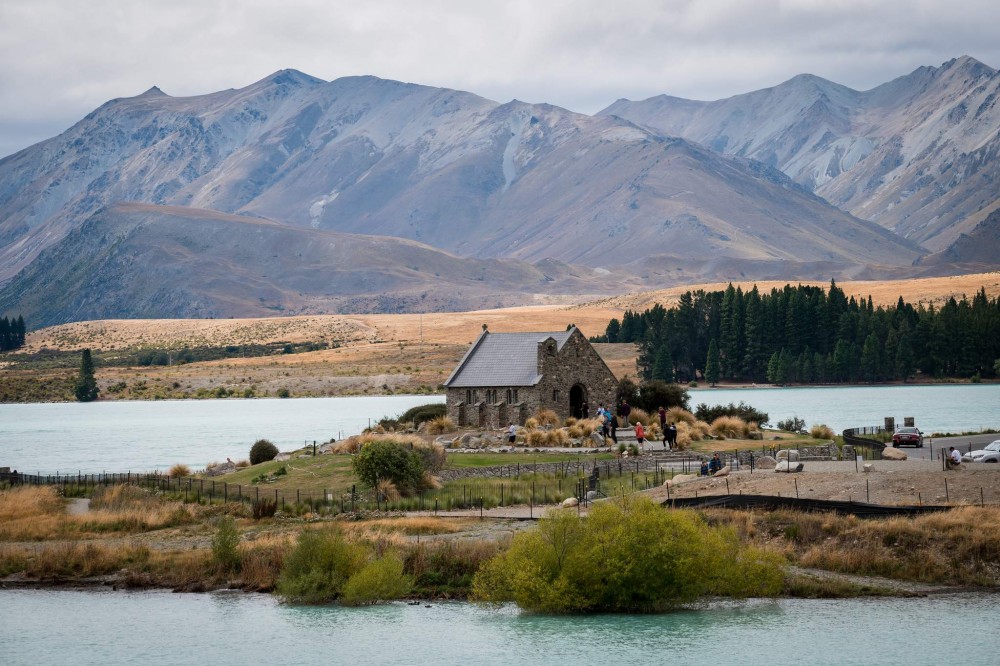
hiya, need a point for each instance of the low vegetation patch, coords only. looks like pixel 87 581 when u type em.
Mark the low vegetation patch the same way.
pixel 325 567
pixel 625 557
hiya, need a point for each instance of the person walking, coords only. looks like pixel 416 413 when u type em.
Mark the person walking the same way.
pixel 626 410
pixel 640 433
pixel 613 425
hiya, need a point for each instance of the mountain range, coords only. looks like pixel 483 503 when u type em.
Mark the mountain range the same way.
pixel 362 194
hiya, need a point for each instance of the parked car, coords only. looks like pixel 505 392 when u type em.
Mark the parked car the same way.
pixel 990 454
pixel 908 436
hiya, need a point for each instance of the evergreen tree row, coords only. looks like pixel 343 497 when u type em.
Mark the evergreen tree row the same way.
pixel 11 333
pixel 810 335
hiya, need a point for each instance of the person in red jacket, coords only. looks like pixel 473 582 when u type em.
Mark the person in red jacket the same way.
pixel 640 433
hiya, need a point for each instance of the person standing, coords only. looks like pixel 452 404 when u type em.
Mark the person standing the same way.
pixel 672 440
pixel 613 426
pixel 662 413
pixel 511 434
pixel 640 433
pixel 626 410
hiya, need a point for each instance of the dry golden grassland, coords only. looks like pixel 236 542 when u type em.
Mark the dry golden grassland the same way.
pixel 368 354
pixel 958 547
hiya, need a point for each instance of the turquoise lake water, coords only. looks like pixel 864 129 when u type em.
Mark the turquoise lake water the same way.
pixel 47 627
pixel 133 436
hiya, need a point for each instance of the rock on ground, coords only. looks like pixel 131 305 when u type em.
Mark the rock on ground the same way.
pixel 891 453
pixel 785 466
pixel 765 462
pixel 570 502
pixel 724 471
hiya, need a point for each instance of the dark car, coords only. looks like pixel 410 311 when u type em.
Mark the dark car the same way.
pixel 909 437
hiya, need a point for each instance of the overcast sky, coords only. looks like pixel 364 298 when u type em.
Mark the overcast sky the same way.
pixel 60 59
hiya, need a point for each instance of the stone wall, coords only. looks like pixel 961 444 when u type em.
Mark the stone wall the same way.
pixel 576 363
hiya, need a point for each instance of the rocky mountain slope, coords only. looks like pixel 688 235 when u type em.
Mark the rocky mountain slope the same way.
pixel 917 155
pixel 139 260
pixel 577 202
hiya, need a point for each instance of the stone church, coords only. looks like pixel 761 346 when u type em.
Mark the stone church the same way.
pixel 507 377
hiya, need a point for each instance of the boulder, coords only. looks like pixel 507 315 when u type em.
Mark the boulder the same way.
pixel 867 467
pixel 591 495
pixel 597 438
pixel 219 470
pixel 785 466
pixel 756 434
pixel 570 502
pixel 790 455
pixel 489 440
pixel 679 479
pixel 282 457
pixel 847 452
pixel 327 448
pixel 465 439
pixel 892 453
pixel 724 471
pixel 764 462
pixel 445 441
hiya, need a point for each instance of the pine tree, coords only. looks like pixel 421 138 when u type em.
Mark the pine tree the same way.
pixel 904 358
pixel 869 359
pixel 774 368
pixel 712 368
pixel 663 368
pixel 86 384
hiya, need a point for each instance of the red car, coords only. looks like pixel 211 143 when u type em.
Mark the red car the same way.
pixel 908 436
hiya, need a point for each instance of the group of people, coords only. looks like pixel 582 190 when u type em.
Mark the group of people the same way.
pixel 611 422
pixel 710 467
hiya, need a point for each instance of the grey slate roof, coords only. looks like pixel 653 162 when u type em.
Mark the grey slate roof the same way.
pixel 503 359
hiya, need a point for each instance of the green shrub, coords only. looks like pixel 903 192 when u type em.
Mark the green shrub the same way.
pixel 283 393
pixel 263 508
pixel 636 557
pixel 794 424
pixel 386 460
pixel 742 411
pixel 422 413
pixel 655 394
pixel 380 580
pixel 319 567
pixel 262 451
pixel 225 545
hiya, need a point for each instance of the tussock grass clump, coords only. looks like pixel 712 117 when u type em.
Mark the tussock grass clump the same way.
pixel 638 415
pixel 732 427
pixel 680 415
pixel 261 562
pixel 570 421
pixel 587 426
pixel 121 497
pixel 535 437
pixel 28 502
pixel 440 425
pixel 531 423
pixel 546 417
pixel 821 431
pixel 180 471
pixel 557 437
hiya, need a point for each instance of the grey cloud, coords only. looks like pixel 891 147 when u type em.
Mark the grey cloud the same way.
pixel 63 58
